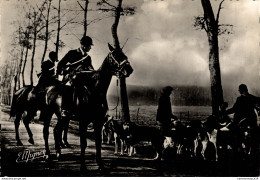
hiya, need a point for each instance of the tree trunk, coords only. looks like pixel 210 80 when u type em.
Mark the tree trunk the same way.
pixel 46 31
pixel 24 65
pixel 215 75
pixel 115 25
pixel 20 69
pixel 85 17
pixel 32 59
pixel 124 100
pixel 58 32
pixel 123 90
pixel 214 66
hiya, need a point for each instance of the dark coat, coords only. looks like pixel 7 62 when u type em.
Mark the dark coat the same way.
pixel 48 68
pixel 47 77
pixel 244 107
pixel 72 57
pixel 164 112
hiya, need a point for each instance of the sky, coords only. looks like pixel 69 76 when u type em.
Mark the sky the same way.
pixel 161 42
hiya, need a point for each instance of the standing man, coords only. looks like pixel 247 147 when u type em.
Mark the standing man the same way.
pixel 244 107
pixel 74 61
pixel 164 112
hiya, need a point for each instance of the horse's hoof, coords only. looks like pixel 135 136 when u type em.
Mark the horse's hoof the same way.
pixel 31 141
pixel 19 143
pixel 67 145
pixel 58 155
pixel 62 145
pixel 47 157
pixel 83 169
pixel 101 168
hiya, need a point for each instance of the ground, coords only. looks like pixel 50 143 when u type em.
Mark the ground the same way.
pixel 140 165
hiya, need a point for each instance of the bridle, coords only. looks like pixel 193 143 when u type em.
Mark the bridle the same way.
pixel 119 66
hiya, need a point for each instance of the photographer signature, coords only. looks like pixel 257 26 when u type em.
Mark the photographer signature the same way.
pixel 26 156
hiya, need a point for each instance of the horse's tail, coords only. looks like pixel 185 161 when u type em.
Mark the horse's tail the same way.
pixel 19 96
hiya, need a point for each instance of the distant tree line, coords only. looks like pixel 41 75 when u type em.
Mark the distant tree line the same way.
pixel 181 96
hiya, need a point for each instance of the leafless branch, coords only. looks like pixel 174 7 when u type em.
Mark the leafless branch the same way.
pixel 124 43
pixel 219 8
pixel 69 21
pixel 81 6
pixel 106 9
pixel 105 2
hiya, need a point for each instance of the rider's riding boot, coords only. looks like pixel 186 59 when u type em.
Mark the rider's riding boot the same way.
pixel 67 102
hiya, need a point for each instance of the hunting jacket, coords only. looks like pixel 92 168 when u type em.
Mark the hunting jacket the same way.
pixel 48 68
pixel 73 58
pixel 244 107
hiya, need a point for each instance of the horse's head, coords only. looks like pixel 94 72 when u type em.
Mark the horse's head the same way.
pixel 118 62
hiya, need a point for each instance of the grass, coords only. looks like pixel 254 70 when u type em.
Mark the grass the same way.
pixel 146 115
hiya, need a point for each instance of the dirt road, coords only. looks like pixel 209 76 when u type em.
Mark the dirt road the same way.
pixel 68 165
pixel 141 165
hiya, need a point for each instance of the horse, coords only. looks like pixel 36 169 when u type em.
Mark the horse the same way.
pixel 25 105
pixel 20 104
pixel 91 106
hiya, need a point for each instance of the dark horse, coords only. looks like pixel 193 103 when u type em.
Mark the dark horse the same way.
pixel 91 103
pixel 20 104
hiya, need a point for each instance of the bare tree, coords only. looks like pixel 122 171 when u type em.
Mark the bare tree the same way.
pixel 85 9
pixel 59 44
pixel 20 41
pixel 36 17
pixel 26 42
pixel 58 28
pixel 117 11
pixel 213 29
pixel 47 33
pixel 8 76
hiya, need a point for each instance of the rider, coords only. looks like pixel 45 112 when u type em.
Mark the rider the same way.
pixel 244 107
pixel 74 61
pixel 47 75
pixel 164 112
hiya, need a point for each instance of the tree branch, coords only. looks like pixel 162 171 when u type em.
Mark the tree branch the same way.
pixel 106 10
pixel 81 6
pixel 219 8
pixel 68 22
pixel 105 2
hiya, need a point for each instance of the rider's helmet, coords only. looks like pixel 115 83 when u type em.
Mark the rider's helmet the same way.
pixel 86 41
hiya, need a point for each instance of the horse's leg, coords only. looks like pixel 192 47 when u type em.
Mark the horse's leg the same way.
pixel 97 130
pixel 109 137
pixel 46 118
pixel 17 124
pixel 65 132
pixel 58 136
pixel 26 122
pixel 83 143
pixel 102 134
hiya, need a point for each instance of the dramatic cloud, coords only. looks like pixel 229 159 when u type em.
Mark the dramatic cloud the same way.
pixel 164 47
pixel 171 51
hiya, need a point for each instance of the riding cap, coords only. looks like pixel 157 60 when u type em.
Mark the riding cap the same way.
pixel 86 40
pixel 53 55
pixel 243 88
